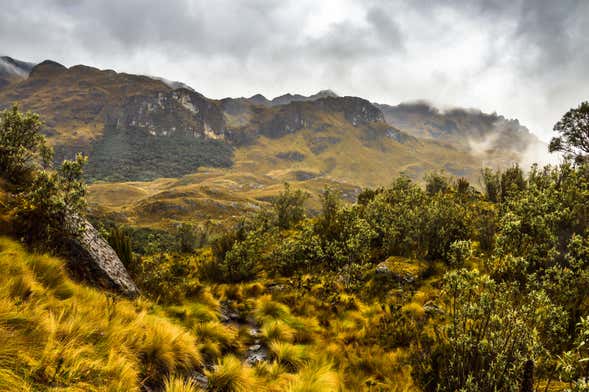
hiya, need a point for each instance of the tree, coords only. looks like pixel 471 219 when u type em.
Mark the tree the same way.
pixel 573 128
pixel 327 225
pixel 45 202
pixel 288 207
pixel 491 184
pixel 186 235
pixel 43 209
pixel 490 334
pixel 22 146
pixel 435 183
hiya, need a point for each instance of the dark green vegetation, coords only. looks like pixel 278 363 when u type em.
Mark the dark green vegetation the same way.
pixel 435 288
pixel 41 197
pixel 122 155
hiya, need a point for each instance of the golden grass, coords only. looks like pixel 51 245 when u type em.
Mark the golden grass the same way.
pixel 178 384
pixel 57 333
pixel 230 375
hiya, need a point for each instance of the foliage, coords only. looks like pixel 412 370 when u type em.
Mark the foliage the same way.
pixel 22 146
pixel 121 244
pixel 43 209
pixel 490 334
pixel 127 155
pixel 189 237
pixel 436 183
pixel 288 207
pixel 58 334
pixel 573 128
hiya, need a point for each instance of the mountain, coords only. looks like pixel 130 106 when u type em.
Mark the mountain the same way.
pixel 234 153
pixel 285 99
pixel 12 70
pixel 468 129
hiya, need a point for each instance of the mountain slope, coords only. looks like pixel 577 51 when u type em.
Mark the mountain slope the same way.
pixel 487 135
pixel 12 70
pixel 139 128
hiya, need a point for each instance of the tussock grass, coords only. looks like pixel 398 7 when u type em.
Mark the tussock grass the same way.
pixel 213 331
pixel 55 333
pixel 276 330
pixel 178 384
pixel 230 375
pixel 315 377
pixel 268 309
pixel 291 356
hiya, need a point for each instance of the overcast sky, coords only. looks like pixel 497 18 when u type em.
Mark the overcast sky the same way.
pixel 525 59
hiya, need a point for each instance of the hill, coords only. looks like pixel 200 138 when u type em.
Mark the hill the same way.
pixel 139 128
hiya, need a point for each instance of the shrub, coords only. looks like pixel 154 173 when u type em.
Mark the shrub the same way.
pixel 22 146
pixel 121 243
pixel 288 207
pixel 459 252
pixel 178 384
pixel 292 356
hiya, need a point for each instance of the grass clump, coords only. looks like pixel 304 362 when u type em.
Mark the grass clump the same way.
pixel 178 384
pixel 83 340
pixel 229 375
pixel 291 356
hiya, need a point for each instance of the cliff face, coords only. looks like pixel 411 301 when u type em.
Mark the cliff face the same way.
pixel 170 113
pixel 280 120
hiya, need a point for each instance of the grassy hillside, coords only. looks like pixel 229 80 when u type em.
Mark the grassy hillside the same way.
pixel 341 156
pixel 59 335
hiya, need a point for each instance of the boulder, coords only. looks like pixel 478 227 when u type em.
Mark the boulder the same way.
pixel 93 260
pixel 400 269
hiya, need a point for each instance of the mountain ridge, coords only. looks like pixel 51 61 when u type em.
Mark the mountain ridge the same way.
pixel 137 127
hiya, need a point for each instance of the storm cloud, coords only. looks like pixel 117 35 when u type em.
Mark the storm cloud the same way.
pixel 525 59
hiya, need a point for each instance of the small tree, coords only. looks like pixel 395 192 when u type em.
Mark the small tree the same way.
pixel 491 184
pixel 573 128
pixel 45 202
pixel 289 208
pixel 186 235
pixel 22 146
pixel 435 183
pixel 327 225
pixel 41 210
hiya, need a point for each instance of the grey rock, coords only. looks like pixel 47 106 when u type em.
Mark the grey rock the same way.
pixel 383 269
pixel 201 380
pixel 93 260
pixel 256 354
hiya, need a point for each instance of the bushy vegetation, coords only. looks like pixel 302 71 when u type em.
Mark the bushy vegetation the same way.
pixel 43 200
pixel 132 155
pixel 435 287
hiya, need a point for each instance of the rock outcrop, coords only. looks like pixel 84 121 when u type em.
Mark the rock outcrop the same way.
pixel 93 260
pixel 180 111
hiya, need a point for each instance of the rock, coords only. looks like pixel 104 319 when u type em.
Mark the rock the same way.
pixel 400 269
pixel 228 315
pixel 201 380
pixel 383 269
pixel 256 354
pixel 93 260
pixel 431 308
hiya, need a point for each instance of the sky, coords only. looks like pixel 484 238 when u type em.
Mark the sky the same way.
pixel 524 59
